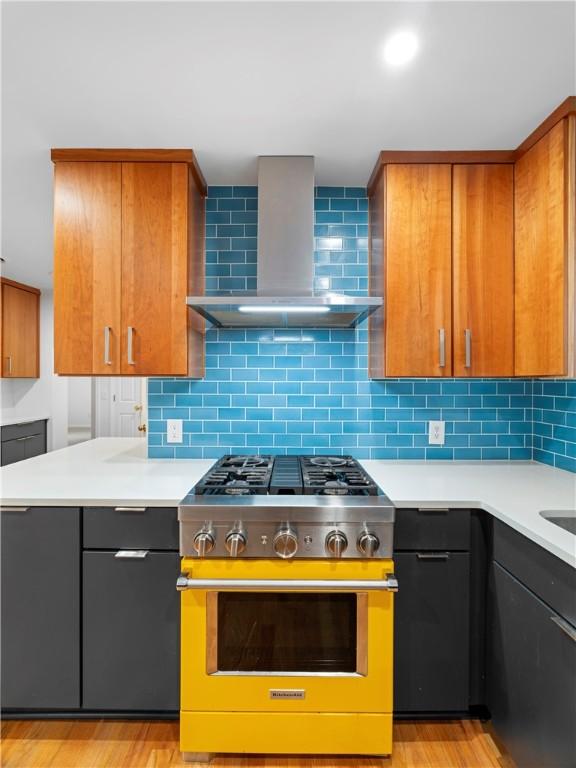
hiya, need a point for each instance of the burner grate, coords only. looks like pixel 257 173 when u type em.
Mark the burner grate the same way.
pixel 237 476
pixel 328 461
pixel 286 475
pixel 335 476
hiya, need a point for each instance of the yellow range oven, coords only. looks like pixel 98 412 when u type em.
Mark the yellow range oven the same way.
pixel 287 623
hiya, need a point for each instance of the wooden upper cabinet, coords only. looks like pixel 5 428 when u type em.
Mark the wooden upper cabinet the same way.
pixel 154 268
pixel 480 243
pixel 441 254
pixel 483 269
pixel 416 244
pixel 542 218
pixel 128 246
pixel 20 330
pixel 87 263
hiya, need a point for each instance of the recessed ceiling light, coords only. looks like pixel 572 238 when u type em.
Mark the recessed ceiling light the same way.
pixel 400 48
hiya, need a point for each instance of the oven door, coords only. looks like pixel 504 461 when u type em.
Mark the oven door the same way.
pixel 306 636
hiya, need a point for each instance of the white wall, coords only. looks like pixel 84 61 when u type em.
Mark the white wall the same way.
pixel 45 397
pixel 80 401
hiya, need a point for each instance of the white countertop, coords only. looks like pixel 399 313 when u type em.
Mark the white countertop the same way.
pixel 115 471
pixel 107 471
pixel 7 418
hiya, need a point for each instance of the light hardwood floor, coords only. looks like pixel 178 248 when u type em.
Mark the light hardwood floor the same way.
pixel 136 744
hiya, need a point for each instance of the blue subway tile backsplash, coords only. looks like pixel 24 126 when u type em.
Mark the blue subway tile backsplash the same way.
pixel 307 391
pixel 554 423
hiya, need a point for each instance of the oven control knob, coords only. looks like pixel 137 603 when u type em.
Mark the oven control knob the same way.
pixel 285 543
pixel 235 543
pixel 336 543
pixel 203 543
pixel 368 544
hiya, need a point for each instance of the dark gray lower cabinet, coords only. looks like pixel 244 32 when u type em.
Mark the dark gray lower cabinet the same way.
pixel 22 441
pixel 531 675
pixel 131 632
pixel 40 623
pixel 432 632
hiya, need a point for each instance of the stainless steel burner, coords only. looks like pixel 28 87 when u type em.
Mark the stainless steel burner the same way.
pixel 328 461
pixel 336 487
pixel 245 461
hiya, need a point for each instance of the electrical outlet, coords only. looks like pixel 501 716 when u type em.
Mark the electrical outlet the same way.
pixel 174 430
pixel 436 432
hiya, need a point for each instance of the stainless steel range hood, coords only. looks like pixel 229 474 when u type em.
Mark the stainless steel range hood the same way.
pixel 285 262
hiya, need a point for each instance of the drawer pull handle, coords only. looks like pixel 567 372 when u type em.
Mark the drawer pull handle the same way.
pixel 29 437
pixel 432 555
pixel 442 338
pixel 14 509
pixel 131 554
pixel 107 360
pixel 433 509
pixel 568 629
pixel 131 345
pixel 467 348
pixel 129 509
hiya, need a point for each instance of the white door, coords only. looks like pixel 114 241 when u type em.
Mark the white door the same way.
pixel 120 406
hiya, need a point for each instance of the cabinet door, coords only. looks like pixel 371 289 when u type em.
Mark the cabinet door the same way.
pixel 431 632
pixel 154 268
pixel 418 254
pixel 40 608
pixel 20 333
pixel 531 675
pixel 22 448
pixel 87 265
pixel 131 631
pixel 13 451
pixel 35 445
pixel 483 264
pixel 540 257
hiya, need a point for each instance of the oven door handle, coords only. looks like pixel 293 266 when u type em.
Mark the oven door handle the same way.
pixel 389 584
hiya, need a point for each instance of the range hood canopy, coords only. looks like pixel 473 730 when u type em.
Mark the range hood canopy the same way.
pixel 285 261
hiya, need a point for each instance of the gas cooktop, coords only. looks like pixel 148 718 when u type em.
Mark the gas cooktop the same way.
pixel 286 506
pixel 286 475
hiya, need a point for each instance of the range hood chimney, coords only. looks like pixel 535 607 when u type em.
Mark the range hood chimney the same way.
pixel 285 263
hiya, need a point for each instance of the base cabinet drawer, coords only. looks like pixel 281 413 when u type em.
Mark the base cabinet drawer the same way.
pixel 531 674
pixel 131 631
pixel 131 527
pixel 435 529
pixel 432 632
pixel 40 623
pixel 25 429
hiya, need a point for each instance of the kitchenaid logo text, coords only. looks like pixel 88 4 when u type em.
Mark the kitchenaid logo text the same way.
pixel 287 693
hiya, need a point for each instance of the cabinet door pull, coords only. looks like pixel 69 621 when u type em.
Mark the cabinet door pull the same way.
pixel 129 509
pixel 568 629
pixel 467 348
pixel 28 437
pixel 107 360
pixel 14 509
pixel 131 554
pixel 442 338
pixel 9 359
pixel 432 555
pixel 130 345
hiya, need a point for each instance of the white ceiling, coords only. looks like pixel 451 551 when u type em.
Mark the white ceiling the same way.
pixel 235 80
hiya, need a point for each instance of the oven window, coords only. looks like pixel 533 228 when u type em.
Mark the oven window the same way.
pixel 286 632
